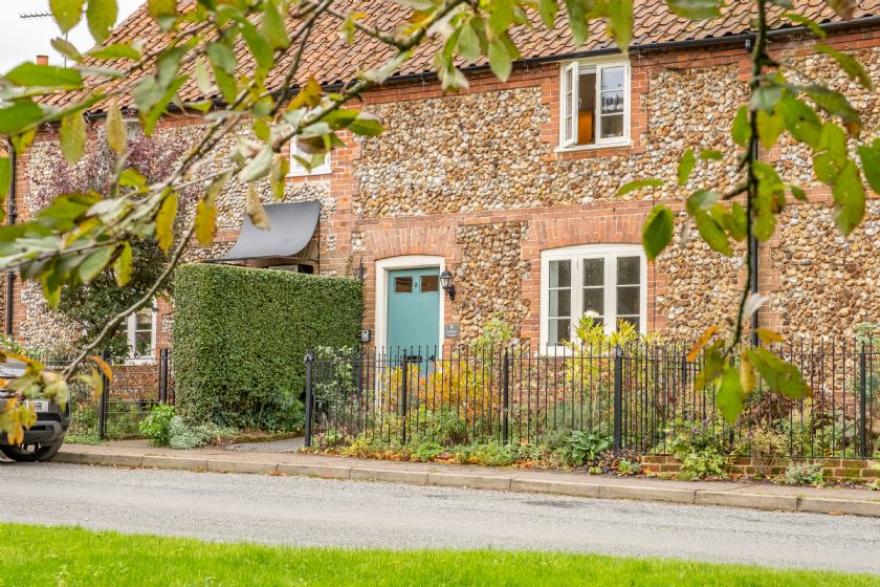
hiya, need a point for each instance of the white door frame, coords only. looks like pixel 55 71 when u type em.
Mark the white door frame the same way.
pixel 383 267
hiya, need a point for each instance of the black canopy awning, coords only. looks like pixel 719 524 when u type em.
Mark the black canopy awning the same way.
pixel 291 227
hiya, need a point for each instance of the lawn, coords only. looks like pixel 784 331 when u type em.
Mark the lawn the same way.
pixel 32 555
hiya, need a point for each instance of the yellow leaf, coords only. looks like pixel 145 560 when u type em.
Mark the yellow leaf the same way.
pixel 165 222
pixel 701 342
pixel 122 266
pixel 206 222
pixel 117 139
pixel 309 95
pixel 103 365
pixel 747 375
pixel 768 336
pixel 254 208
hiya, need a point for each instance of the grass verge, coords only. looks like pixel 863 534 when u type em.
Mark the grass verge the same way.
pixel 35 555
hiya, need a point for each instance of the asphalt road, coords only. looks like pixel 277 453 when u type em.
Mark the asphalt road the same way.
pixel 315 512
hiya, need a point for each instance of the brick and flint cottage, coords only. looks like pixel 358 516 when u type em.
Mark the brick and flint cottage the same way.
pixel 511 187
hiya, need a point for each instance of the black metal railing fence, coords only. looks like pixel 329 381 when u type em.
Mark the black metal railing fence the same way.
pixel 639 395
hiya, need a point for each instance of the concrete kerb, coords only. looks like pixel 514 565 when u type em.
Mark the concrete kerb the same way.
pixel 594 488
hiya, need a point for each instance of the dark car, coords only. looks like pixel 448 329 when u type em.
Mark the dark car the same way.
pixel 45 437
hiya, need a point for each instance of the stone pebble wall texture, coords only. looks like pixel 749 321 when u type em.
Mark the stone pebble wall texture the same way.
pixel 490 275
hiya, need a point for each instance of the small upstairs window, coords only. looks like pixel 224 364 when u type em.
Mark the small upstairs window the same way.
pixel 297 169
pixel 595 104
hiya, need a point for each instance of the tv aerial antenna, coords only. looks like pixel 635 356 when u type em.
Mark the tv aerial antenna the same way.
pixel 40 16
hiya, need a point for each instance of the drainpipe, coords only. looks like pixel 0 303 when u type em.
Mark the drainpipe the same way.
pixel 11 216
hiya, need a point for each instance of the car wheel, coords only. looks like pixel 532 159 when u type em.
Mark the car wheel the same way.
pixel 31 453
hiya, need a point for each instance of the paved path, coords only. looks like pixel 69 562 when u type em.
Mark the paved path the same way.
pixel 318 512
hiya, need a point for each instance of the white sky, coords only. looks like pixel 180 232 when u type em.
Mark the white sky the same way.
pixel 22 40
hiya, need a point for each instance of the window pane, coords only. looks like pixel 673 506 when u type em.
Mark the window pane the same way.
pixel 612 126
pixel 627 300
pixel 587 108
pixel 568 105
pixel 628 270
pixel 594 300
pixel 430 283
pixel 560 303
pixel 594 271
pixel 612 78
pixel 558 331
pixel 143 344
pixel 560 273
pixel 403 284
pixel 144 320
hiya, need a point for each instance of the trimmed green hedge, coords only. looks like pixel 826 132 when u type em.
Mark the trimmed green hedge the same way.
pixel 240 336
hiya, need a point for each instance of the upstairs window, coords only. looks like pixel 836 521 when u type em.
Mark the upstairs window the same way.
pixel 595 104
pixel 605 281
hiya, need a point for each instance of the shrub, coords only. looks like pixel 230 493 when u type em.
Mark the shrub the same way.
pixel 700 451
pixel 804 474
pixel 157 425
pixel 240 336
pixel 584 446
pixel 765 446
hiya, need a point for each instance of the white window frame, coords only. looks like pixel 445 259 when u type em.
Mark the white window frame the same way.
pixel 297 170
pixel 576 255
pixel 569 86
pixel 130 330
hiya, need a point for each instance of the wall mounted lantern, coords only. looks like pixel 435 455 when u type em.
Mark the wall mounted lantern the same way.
pixel 361 272
pixel 446 284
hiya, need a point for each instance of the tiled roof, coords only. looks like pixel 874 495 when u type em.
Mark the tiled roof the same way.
pixel 330 60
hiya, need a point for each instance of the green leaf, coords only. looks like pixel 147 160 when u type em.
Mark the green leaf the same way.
pixel 849 195
pixel 117 137
pixel 836 104
pixel 701 200
pixel 165 222
pixel 101 15
pixel 67 13
pixel 73 137
pixel 766 97
pixel 741 130
pixel 258 167
pixel 548 10
pixel 798 192
pixel 122 265
pixel 222 56
pixel 712 233
pixel 696 9
pixel 711 155
pixel 500 61
pixel 366 125
pixel 162 8
pixel 730 398
pixel 21 115
pixel 92 265
pixel 651 182
pixel 620 20
pixel 67 49
pixel 686 166
pixel 809 23
pixel 831 156
pixel 849 64
pixel 734 221
pixel 770 126
pixel 577 19
pixel 273 26
pixel 657 231
pixel 115 51
pixel 468 44
pixel 801 120
pixel 258 45
pixel 870 157
pixel 48 76
pixel 779 375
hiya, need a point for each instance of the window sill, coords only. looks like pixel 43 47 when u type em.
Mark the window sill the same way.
pixel 595 147
pixel 139 360
pixel 317 174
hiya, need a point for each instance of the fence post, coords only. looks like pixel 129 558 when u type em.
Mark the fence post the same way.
pixel 102 401
pixel 404 393
pixel 863 405
pixel 163 376
pixel 310 401
pixel 505 398
pixel 618 397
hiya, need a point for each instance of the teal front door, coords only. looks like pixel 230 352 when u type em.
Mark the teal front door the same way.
pixel 414 312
